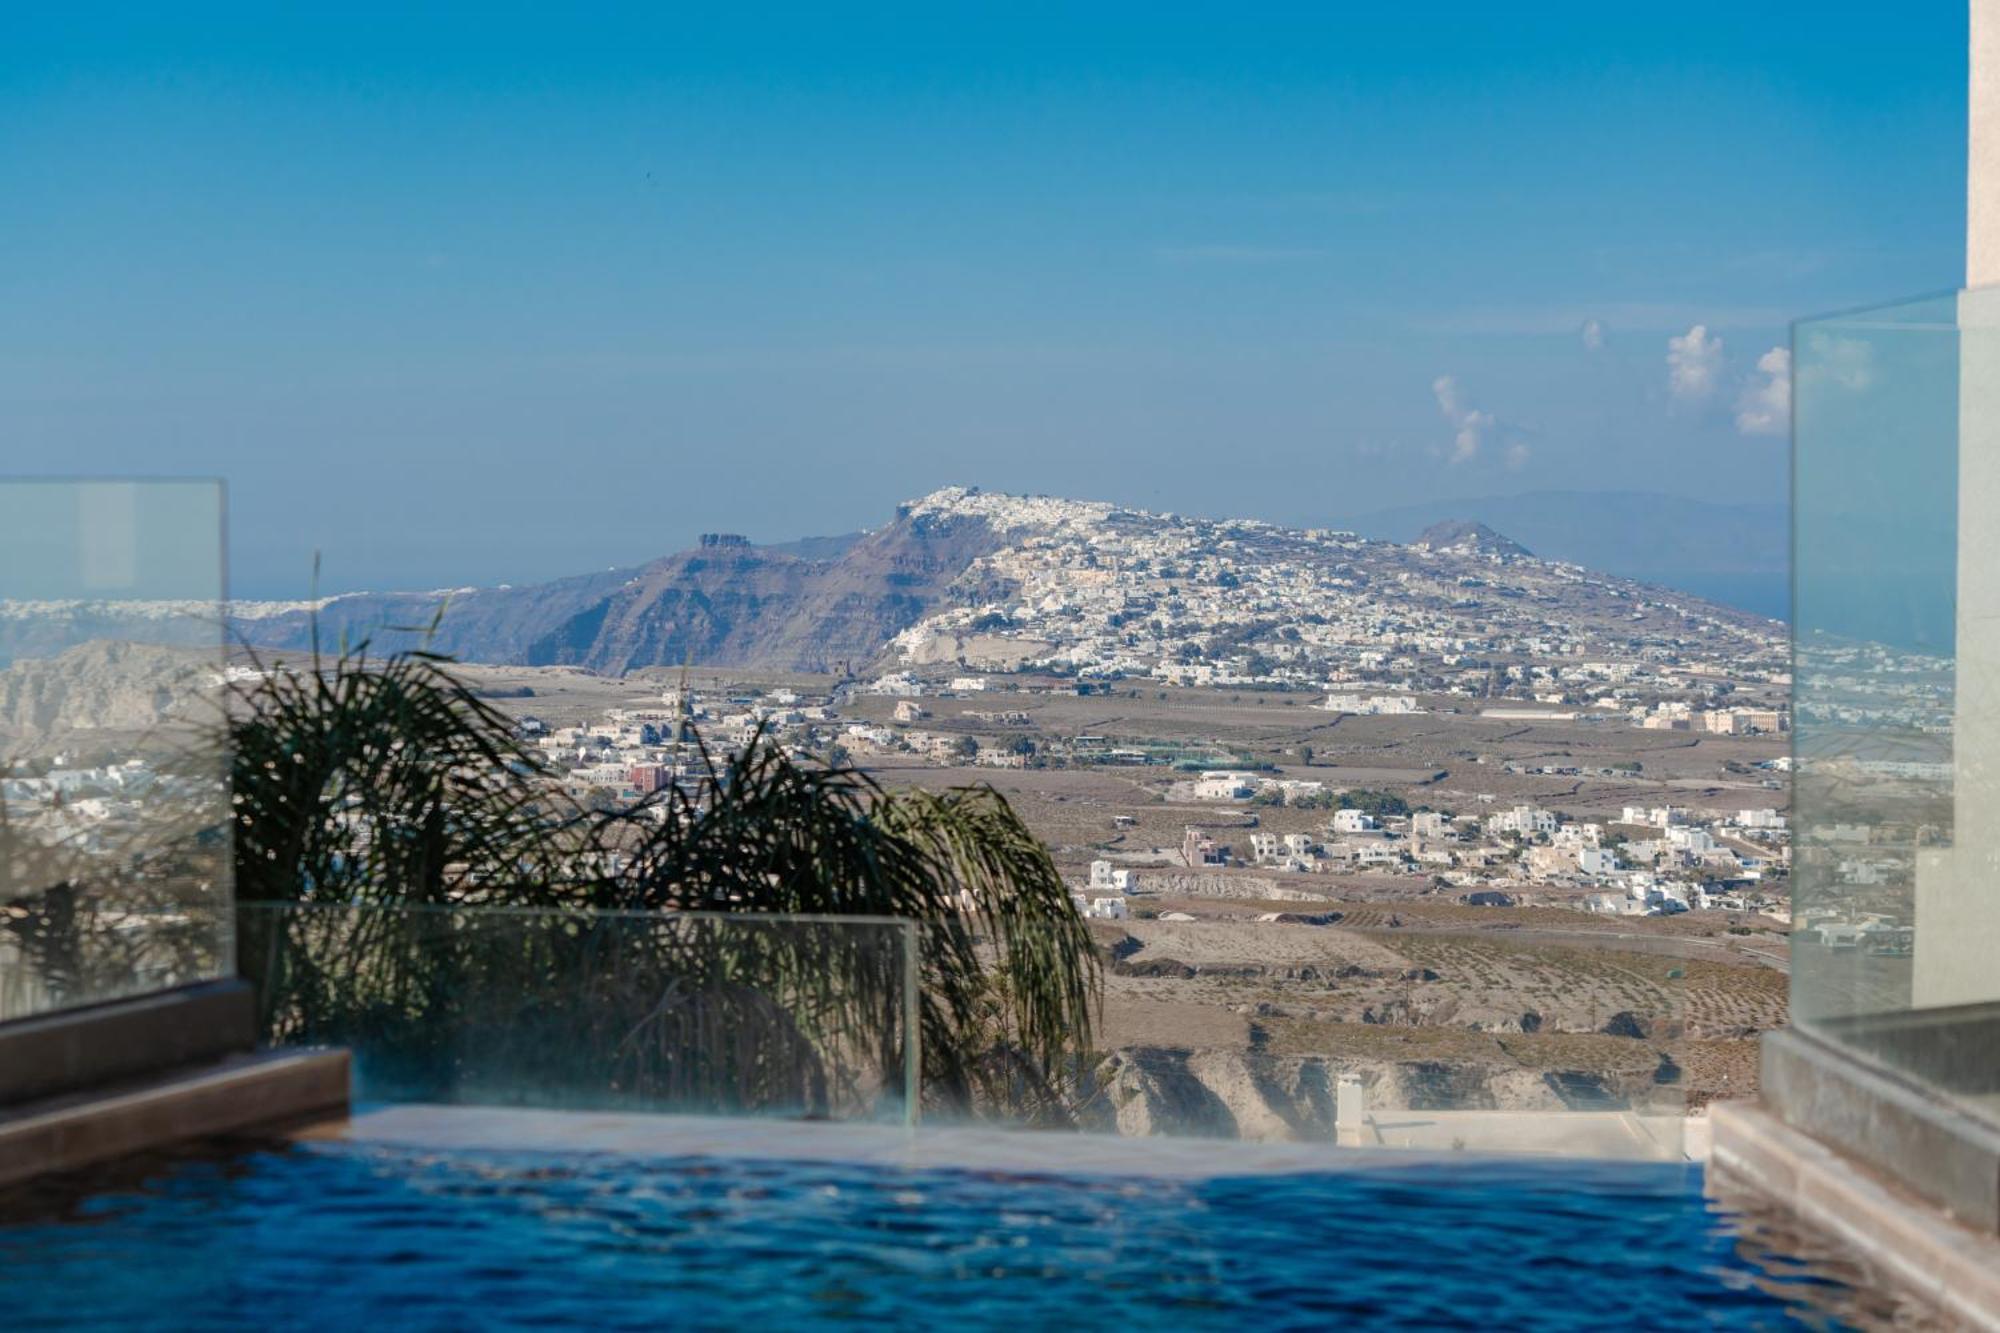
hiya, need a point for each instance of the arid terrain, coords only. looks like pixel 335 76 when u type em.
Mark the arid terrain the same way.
pixel 1235 995
pixel 1486 830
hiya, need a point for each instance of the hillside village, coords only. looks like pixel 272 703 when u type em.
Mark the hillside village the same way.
pixel 1646 860
pixel 1304 786
pixel 1078 599
pixel 1107 593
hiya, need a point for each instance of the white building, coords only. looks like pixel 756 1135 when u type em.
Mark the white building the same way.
pixel 1373 705
pixel 1526 820
pixel 1224 785
pixel 1692 840
pixel 1105 877
pixel 1596 861
pixel 1430 824
pixel 1578 836
pixel 1101 909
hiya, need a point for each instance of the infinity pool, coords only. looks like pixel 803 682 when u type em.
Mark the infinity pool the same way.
pixel 374 1236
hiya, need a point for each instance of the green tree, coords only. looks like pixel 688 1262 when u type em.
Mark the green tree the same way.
pixel 1381 804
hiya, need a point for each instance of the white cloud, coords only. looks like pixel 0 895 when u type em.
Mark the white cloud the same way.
pixel 1694 364
pixel 1626 316
pixel 1592 334
pixel 1766 405
pixel 1517 456
pixel 1845 362
pixel 1469 425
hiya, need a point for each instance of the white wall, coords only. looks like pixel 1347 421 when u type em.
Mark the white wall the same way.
pixel 1957 909
pixel 1982 177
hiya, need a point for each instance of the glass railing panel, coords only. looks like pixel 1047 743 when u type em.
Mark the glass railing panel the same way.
pixel 1359 1025
pixel 603 1011
pixel 1897 684
pixel 114 809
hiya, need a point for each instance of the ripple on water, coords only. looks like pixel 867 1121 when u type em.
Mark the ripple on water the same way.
pixel 342 1235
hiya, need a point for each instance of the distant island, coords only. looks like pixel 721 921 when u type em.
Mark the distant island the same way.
pixel 1003 582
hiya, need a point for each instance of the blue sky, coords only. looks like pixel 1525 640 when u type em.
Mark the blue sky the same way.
pixel 495 295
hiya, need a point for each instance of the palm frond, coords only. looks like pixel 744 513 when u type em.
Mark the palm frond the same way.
pixel 386 783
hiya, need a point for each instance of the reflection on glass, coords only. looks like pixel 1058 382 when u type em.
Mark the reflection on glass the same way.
pixel 1897 686
pixel 634 1011
pixel 1361 1031
pixel 114 813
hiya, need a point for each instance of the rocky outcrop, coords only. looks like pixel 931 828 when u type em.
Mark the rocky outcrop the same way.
pixel 1251 888
pixel 105 687
pixel 1213 1094
pixel 1290 1099
pixel 741 605
pixel 1466 537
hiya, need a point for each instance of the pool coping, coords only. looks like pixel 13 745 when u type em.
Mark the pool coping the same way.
pixel 236 1093
pixel 931 1147
pixel 1953 1266
pixel 68 1050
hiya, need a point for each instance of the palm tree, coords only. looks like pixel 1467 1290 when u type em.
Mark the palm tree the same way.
pixel 365 785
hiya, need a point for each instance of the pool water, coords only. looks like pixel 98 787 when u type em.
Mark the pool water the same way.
pixel 373 1237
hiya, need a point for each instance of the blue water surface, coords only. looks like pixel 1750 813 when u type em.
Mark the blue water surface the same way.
pixel 372 1238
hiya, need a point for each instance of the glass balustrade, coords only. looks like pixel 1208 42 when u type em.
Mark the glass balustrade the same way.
pixel 1896 940
pixel 1348 1025
pixel 114 808
pixel 601 1011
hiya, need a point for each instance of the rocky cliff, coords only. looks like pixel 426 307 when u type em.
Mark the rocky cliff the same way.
pixel 103 687
pixel 806 606
pixel 993 581
pixel 1290 1099
pixel 745 605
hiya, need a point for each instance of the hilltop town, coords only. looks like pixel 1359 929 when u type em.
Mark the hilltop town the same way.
pixel 1496 830
pixel 1104 592
pixel 1220 665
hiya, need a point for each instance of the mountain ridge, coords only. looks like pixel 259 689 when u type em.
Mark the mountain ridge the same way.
pixel 1469 536
pixel 973 575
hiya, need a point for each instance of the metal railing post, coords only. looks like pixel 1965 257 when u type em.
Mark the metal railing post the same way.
pixel 913 1027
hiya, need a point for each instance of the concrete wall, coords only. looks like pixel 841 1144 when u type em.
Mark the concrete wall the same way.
pixel 1957 910
pixel 1982 177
